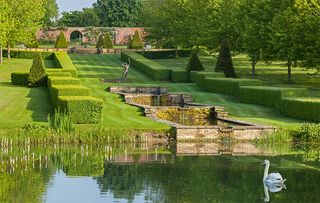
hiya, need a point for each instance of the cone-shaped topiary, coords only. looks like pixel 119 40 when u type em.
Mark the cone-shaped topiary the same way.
pixel 136 42
pixel 61 41
pixel 107 41
pixel 224 62
pixel 34 43
pixel 37 75
pixel 129 42
pixel 194 63
pixel 99 42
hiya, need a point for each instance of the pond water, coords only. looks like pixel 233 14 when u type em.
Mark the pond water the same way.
pixel 155 173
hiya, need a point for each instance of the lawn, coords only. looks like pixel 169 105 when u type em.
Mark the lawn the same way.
pixel 21 105
pixel 92 68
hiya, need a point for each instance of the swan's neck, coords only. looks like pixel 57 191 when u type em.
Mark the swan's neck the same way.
pixel 266 170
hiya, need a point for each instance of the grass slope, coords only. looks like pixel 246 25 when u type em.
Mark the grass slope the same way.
pixel 21 105
pixel 92 68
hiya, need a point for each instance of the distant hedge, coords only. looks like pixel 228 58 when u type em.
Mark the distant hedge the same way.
pixel 28 54
pixel 149 67
pixel 19 78
pixel 269 96
pixel 302 108
pixel 165 54
pixel 180 76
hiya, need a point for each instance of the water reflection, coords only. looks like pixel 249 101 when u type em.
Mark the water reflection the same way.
pixel 153 173
pixel 271 188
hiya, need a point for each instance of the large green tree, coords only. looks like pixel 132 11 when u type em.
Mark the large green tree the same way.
pixel 4 16
pixel 51 13
pixel 85 18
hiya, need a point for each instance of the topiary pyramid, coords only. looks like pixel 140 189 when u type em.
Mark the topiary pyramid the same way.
pixel 224 62
pixel 136 42
pixel 107 41
pixel 61 41
pixel 99 42
pixel 194 63
pixel 129 42
pixel 37 75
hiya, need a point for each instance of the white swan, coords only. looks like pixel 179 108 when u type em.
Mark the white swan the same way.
pixel 271 178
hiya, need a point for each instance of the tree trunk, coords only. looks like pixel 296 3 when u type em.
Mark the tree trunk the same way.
pixel 8 51
pixel 253 68
pixel 1 55
pixel 289 71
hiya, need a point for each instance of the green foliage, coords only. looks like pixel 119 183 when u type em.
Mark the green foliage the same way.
pixel 28 54
pixel 100 41
pixel 51 12
pixel 82 109
pixel 62 81
pixel 85 18
pixel 301 108
pixel 63 61
pixel 308 133
pixel 136 42
pixel 165 54
pixel 37 76
pixel 107 41
pixel 67 90
pixel 194 63
pixel 129 42
pixel 229 86
pixel 55 73
pixel 19 78
pixel 224 62
pixel 269 96
pixel 35 43
pixel 61 41
pixel 151 68
pixel 199 76
pixel 180 76
pixel 61 122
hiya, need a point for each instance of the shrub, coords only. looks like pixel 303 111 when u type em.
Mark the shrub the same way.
pixel 107 41
pixel 34 43
pixel 301 108
pixel 61 41
pixel 224 62
pixel 37 76
pixel 228 86
pixel 61 122
pixel 165 54
pixel 194 63
pixel 149 67
pixel 129 42
pixel 136 42
pixel 180 76
pixel 62 81
pixel 28 54
pixel 67 90
pixel 82 109
pixel 199 76
pixel 308 133
pixel 19 78
pixel 99 43
pixel 269 96
pixel 63 61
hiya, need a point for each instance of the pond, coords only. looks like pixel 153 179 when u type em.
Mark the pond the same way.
pixel 155 173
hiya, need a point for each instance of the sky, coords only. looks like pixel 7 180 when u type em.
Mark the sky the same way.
pixel 71 5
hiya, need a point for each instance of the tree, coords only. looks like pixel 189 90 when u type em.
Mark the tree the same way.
pixel 107 41
pixel 51 13
pixel 118 13
pixel 19 26
pixel 129 41
pixel 224 62
pixel 61 41
pixel 194 63
pixel 34 43
pixel 37 75
pixel 136 42
pixel 85 18
pixel 4 15
pixel 100 42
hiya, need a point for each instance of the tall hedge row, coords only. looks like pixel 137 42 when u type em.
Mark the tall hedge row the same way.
pixel 28 54
pixel 178 75
pixel 199 77
pixel 269 96
pixel 302 108
pixel 151 68
pixel 20 78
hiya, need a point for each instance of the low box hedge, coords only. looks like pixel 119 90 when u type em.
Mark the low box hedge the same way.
pixel 19 78
pixel 25 54
pixel 149 67
pixel 301 108
pixel 199 76
pixel 228 86
pixel 179 75
pixel 269 96
pixel 63 61
pixel 62 81
pixel 165 54
pixel 82 109
pixel 58 73
pixel 67 90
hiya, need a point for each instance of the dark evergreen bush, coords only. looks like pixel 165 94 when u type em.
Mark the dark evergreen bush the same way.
pixel 37 76
pixel 99 42
pixel 61 41
pixel 129 42
pixel 194 63
pixel 107 41
pixel 136 42
pixel 224 62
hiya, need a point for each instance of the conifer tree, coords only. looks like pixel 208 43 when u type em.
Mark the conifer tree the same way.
pixel 37 75
pixel 194 63
pixel 136 42
pixel 107 41
pixel 61 41
pixel 129 42
pixel 224 62
pixel 100 42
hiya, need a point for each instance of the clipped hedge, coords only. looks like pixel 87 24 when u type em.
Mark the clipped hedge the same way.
pixel 64 62
pixel 199 76
pixel 58 73
pixel 165 54
pixel 228 86
pixel 151 68
pixel 301 108
pixel 269 96
pixel 67 90
pixel 62 81
pixel 28 54
pixel 82 109
pixel 180 76
pixel 19 78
